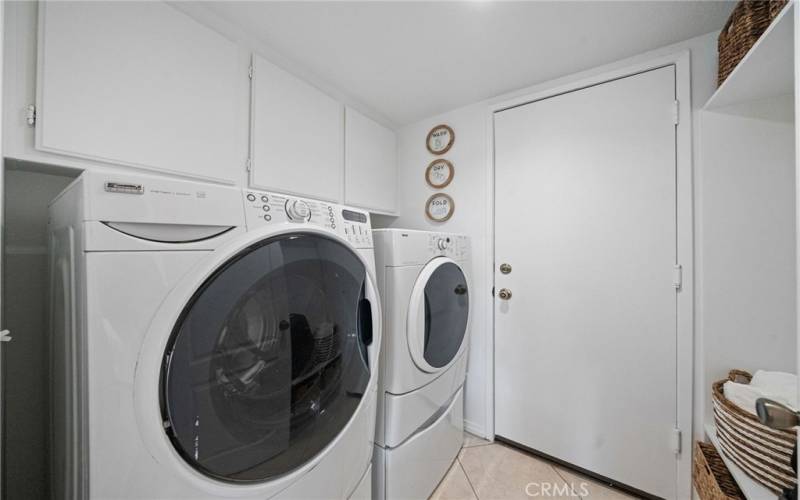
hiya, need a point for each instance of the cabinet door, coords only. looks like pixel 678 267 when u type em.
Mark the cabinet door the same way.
pixel 139 84
pixel 297 136
pixel 370 164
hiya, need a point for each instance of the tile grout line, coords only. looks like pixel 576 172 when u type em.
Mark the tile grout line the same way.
pixel 478 445
pixel 466 475
pixel 558 473
pixel 481 442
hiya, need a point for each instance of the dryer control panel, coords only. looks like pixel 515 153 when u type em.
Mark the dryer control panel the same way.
pixel 409 247
pixel 455 246
pixel 265 208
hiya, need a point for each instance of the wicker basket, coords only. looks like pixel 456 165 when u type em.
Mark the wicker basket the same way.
pixel 711 478
pixel 747 22
pixel 775 8
pixel 760 451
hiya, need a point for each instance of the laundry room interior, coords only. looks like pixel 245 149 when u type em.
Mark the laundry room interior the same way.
pixel 399 250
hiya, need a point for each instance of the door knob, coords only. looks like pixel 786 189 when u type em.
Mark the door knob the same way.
pixel 505 268
pixel 504 293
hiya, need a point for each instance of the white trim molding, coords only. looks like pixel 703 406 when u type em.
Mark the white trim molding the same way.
pixel 474 429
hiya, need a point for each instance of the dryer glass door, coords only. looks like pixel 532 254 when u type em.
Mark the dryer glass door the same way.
pixel 446 312
pixel 268 361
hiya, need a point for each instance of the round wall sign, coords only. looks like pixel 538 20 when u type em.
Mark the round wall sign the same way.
pixel 439 173
pixel 440 139
pixel 439 207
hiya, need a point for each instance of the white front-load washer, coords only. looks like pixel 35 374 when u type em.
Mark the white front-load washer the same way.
pixel 210 343
pixel 423 278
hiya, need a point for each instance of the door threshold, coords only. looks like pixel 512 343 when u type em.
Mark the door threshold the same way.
pixel 606 481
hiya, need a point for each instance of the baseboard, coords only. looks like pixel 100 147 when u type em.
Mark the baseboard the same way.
pixel 477 430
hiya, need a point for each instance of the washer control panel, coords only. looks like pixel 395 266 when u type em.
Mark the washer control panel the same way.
pixel 264 208
pixel 455 246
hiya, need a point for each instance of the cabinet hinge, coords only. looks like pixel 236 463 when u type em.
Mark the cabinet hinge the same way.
pixel 30 115
pixel 677 276
pixel 676 108
pixel 250 71
pixel 249 164
pixel 676 441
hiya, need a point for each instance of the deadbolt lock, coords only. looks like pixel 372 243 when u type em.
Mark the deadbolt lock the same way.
pixel 505 268
pixel 504 293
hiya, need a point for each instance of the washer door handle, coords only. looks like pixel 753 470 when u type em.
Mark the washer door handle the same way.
pixel 365 320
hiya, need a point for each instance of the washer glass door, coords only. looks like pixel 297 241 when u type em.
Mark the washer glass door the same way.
pixel 268 360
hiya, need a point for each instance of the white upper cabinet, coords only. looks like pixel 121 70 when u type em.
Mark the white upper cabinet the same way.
pixel 138 84
pixel 370 164
pixel 297 136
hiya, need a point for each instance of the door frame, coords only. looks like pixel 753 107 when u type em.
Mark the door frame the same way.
pixel 797 178
pixel 685 235
pixel 2 244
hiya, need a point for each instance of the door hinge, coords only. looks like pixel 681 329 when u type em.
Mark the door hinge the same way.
pixel 30 115
pixel 250 71
pixel 249 164
pixel 677 276
pixel 676 108
pixel 676 441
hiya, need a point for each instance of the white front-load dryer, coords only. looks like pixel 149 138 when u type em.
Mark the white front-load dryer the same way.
pixel 210 343
pixel 424 282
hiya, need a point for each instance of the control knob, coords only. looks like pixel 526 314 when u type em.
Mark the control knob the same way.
pixel 442 243
pixel 298 210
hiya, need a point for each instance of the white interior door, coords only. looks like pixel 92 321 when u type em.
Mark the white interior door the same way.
pixel 586 216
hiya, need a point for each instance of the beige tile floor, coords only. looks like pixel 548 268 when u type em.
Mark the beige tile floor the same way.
pixel 494 471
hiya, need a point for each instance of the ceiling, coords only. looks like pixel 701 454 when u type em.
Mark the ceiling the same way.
pixel 410 60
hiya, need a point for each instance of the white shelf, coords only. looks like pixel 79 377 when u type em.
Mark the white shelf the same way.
pixel 766 71
pixel 751 489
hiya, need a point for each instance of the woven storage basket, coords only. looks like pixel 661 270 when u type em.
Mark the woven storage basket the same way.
pixel 775 8
pixel 747 22
pixel 712 480
pixel 762 452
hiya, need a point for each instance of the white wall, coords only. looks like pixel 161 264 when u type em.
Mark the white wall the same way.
pixel 471 192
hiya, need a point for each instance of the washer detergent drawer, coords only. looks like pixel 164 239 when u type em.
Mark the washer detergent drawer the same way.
pixel 406 413
pixel 415 468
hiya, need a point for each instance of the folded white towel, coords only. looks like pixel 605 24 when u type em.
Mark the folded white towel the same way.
pixel 782 386
pixel 779 386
